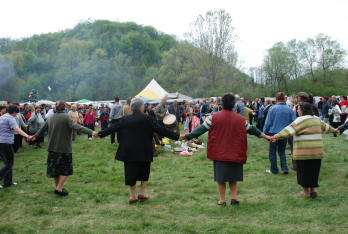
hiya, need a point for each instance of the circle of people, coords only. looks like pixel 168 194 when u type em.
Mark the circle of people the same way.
pixel 228 120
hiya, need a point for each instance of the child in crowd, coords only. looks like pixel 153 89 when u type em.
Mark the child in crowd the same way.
pixel 104 118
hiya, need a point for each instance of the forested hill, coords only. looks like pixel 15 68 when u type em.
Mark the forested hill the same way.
pixel 101 59
pixel 95 60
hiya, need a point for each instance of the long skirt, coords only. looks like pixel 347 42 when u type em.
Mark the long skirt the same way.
pixel 136 171
pixel 227 171
pixel 59 164
pixel 308 172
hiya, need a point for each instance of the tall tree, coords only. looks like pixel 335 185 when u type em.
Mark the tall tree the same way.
pixel 214 36
pixel 76 63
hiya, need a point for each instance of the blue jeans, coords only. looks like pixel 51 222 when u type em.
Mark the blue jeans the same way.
pixel 281 146
pixel 7 155
pixel 160 122
pixel 326 120
pixel 320 112
pixel 259 124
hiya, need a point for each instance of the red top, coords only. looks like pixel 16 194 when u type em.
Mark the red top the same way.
pixel 344 103
pixel 89 118
pixel 28 115
pixel 227 139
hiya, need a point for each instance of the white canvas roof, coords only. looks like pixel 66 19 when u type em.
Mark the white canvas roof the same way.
pixel 153 91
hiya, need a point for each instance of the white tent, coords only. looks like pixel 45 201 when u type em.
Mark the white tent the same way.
pixel 153 91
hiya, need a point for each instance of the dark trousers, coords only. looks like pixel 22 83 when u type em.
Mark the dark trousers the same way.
pixel 259 124
pixel 335 125
pixel 113 134
pixel 273 147
pixel 160 122
pixel 7 156
pixel 251 119
pixel 17 142
pixel 104 125
pixel 90 126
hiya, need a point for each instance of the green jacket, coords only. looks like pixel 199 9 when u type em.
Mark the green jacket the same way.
pixel 160 109
pixel 60 127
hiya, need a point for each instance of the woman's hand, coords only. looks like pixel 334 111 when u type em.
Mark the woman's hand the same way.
pixel 182 138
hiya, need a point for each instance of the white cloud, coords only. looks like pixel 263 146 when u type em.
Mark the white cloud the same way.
pixel 260 23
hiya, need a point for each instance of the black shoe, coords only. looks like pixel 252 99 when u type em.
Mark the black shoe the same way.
pixel 234 202
pixel 39 146
pixel 62 193
pixel 286 172
pixel 221 204
pixel 155 154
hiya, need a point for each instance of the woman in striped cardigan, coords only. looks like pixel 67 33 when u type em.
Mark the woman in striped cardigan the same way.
pixel 308 147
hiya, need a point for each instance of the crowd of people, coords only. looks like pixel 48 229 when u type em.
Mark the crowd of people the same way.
pixel 228 119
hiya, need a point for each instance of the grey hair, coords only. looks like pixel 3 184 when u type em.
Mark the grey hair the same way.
pixel 129 100
pixel 190 101
pixel 136 104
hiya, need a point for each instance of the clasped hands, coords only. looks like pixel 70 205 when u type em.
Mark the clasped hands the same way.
pixel 31 138
pixel 271 139
pixel 95 134
pixel 182 138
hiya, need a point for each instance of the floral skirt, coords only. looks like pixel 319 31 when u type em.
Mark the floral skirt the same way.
pixel 59 164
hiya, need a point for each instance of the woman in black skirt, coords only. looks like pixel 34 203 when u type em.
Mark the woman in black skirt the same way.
pixel 59 160
pixel 308 147
pixel 227 146
pixel 135 133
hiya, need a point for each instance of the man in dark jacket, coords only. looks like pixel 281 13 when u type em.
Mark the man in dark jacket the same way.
pixel 326 107
pixel 175 110
pixel 135 146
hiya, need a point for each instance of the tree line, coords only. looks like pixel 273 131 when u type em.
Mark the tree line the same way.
pixel 101 59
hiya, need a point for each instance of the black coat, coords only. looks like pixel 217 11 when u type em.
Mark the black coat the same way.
pixel 134 134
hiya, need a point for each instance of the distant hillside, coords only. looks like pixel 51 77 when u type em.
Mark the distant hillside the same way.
pixel 102 59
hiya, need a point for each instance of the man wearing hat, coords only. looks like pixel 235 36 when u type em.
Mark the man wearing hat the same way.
pixel 279 116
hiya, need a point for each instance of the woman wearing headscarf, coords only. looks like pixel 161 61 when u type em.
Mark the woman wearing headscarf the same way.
pixel 138 129
pixel 59 160
pixel 8 127
pixel 227 145
pixel 308 147
pixel 35 123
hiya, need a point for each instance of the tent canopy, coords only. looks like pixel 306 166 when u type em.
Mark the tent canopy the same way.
pixel 153 91
pixel 83 100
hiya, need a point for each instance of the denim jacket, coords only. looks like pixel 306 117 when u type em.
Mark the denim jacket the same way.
pixel 279 116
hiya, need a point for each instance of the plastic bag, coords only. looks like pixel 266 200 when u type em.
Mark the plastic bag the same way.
pixel 165 141
pixel 96 124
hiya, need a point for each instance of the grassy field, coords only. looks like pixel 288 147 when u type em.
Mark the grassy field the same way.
pixel 183 195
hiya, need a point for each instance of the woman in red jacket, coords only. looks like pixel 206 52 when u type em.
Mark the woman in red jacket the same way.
pixel 227 146
pixel 89 119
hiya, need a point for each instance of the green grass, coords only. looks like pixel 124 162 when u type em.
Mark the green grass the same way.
pixel 183 195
